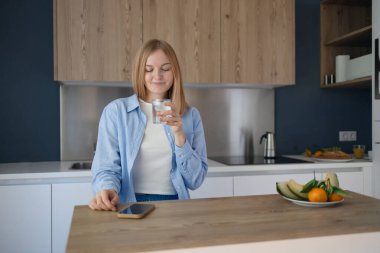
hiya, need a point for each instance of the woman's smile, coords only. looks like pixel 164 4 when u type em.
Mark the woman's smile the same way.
pixel 158 83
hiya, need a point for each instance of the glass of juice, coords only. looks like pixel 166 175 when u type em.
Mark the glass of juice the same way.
pixel 358 151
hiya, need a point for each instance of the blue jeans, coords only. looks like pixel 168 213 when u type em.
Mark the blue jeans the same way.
pixel 154 197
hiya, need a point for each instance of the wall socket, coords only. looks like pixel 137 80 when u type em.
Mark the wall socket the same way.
pixel 347 135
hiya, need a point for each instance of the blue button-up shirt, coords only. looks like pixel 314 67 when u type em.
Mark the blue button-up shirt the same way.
pixel 121 130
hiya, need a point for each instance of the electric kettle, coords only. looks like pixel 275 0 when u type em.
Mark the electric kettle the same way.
pixel 269 145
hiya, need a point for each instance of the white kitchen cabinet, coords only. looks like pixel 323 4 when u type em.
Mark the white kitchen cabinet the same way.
pixel 352 181
pixel 265 184
pixel 376 155
pixel 25 213
pixel 64 198
pixel 376 96
pixel 214 187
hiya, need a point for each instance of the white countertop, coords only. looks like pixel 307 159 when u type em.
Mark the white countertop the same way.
pixel 219 169
pixel 41 172
pixel 58 171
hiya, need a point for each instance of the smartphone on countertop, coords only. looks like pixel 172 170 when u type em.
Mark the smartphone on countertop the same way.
pixel 135 211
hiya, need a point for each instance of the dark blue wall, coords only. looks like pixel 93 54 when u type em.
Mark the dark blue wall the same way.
pixel 29 98
pixel 307 116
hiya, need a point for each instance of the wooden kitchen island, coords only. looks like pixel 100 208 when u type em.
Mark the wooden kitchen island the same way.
pixel 266 223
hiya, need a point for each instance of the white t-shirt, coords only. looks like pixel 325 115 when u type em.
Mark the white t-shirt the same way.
pixel 151 170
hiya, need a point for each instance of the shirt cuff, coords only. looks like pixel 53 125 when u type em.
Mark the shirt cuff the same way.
pixel 107 185
pixel 184 152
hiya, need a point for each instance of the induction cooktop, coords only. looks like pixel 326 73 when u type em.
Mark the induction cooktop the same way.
pixel 247 160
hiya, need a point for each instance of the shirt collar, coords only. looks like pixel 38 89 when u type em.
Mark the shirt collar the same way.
pixel 132 103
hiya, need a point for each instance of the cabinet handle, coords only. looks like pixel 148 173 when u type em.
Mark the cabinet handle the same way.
pixel 377 69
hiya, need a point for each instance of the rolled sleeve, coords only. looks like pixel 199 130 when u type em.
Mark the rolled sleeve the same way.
pixel 191 158
pixel 106 168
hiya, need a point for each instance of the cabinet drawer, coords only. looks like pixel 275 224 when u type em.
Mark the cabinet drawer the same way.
pixel 214 187
pixel 265 184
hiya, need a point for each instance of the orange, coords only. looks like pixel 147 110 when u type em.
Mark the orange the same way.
pixel 308 153
pixel 317 195
pixel 335 197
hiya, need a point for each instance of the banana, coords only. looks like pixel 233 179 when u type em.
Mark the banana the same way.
pixel 296 188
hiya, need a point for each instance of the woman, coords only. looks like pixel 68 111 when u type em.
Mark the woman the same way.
pixel 137 160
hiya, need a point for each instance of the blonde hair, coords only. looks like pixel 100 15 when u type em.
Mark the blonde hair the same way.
pixel 176 92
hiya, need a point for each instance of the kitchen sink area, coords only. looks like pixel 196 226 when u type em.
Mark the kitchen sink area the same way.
pixel 81 166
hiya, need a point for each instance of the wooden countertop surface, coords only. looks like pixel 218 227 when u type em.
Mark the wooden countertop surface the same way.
pixel 219 221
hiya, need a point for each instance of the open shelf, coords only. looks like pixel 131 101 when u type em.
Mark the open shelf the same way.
pixel 363 82
pixel 345 30
pixel 360 37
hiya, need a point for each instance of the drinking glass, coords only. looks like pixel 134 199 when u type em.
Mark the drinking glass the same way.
pixel 358 151
pixel 159 105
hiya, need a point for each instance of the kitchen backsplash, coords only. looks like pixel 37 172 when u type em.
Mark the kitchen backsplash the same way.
pixel 233 119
